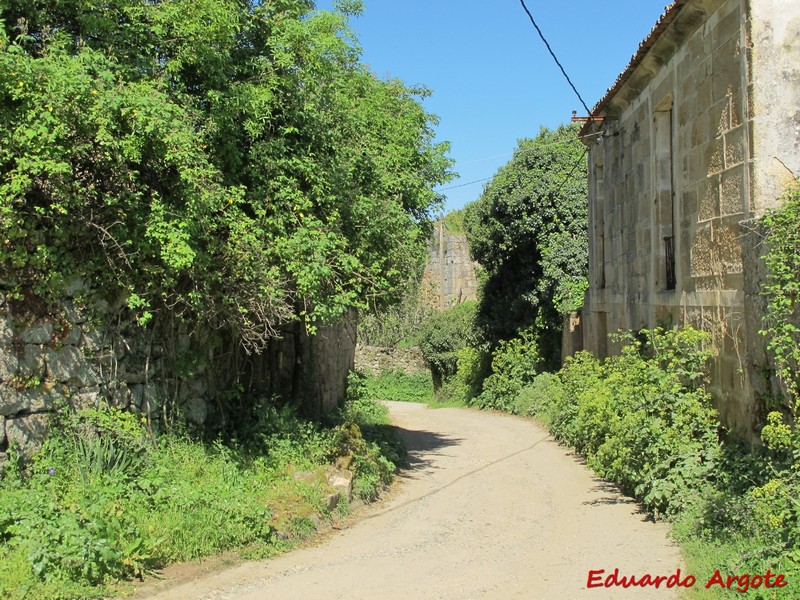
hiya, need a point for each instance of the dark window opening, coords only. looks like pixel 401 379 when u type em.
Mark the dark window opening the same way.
pixel 669 253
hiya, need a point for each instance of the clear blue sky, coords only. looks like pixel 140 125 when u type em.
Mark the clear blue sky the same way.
pixel 492 78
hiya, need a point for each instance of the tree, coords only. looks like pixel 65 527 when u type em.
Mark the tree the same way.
pixel 529 232
pixel 223 160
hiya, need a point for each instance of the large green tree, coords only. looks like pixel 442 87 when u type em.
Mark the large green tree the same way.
pixel 529 232
pixel 228 160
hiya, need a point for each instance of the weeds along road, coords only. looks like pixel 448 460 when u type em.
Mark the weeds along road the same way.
pixel 491 507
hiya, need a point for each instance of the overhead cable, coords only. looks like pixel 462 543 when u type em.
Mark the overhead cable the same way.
pixel 521 151
pixel 555 58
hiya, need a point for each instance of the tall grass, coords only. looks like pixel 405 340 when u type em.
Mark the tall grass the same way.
pixel 103 502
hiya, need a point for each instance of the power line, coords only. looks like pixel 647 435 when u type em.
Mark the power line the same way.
pixel 555 58
pixel 522 151
pixel 569 175
pixel 526 150
pixel 563 183
pixel 453 187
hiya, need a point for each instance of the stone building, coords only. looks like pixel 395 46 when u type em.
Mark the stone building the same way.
pixel 450 276
pixel 697 138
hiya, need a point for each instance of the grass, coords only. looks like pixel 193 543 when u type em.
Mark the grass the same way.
pixel 103 503
pixel 399 386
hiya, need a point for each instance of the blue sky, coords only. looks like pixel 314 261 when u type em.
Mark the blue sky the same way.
pixel 492 78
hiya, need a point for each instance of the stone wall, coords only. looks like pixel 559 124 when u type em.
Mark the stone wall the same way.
pixel 449 277
pixel 77 356
pixel 773 47
pixel 376 359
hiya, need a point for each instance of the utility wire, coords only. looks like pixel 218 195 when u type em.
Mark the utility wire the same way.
pixel 522 152
pixel 453 187
pixel 569 175
pixel 563 183
pixel 526 150
pixel 555 58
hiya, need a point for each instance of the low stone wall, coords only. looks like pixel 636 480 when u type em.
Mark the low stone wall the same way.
pixel 376 359
pixel 75 356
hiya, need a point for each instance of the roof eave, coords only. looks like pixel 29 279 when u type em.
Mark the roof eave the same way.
pixel 671 12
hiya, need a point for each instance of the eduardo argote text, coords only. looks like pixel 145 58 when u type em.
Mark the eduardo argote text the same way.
pixel 599 578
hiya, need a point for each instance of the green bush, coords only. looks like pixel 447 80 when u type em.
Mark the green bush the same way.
pixel 366 435
pixel 396 326
pixel 636 417
pixel 103 501
pixel 226 163
pixel 465 386
pixel 443 335
pixel 515 363
pixel 541 399
pixel 781 289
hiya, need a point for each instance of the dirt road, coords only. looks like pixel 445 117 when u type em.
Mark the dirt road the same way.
pixel 490 508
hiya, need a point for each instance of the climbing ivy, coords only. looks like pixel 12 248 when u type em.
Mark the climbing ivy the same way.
pixel 528 231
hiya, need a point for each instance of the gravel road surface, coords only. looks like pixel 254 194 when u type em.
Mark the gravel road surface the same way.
pixel 491 507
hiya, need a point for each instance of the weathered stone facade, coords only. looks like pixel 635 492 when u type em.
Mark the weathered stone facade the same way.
pixel 70 356
pixel 449 277
pixel 699 136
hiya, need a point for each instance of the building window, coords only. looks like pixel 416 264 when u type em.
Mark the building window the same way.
pixel 669 253
pixel 600 226
pixel 664 208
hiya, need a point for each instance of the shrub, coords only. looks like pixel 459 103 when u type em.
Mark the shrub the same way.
pixel 781 289
pixel 465 386
pixel 443 335
pixel 636 417
pixel 366 435
pixel 102 502
pixel 515 363
pixel 540 398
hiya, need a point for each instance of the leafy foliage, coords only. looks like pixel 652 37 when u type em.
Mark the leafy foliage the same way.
pixel 454 221
pixel 636 417
pixel 515 363
pixel 377 451
pixel 528 231
pixel 399 386
pixel 443 335
pixel 398 325
pixel 224 160
pixel 782 288
pixel 103 503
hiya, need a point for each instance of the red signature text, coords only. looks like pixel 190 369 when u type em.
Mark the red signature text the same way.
pixel 598 578
pixel 613 579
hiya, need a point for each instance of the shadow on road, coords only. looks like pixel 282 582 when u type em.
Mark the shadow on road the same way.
pixel 422 446
pixel 616 496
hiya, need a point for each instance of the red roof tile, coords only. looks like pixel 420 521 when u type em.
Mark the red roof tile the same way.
pixel 668 17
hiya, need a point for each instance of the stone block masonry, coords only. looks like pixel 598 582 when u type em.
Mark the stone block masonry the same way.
pixel 450 276
pixel 700 138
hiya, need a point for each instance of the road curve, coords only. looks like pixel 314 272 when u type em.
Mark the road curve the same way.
pixel 491 507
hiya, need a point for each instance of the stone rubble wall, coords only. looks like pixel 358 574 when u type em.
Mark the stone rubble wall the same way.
pixel 73 357
pixel 376 359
